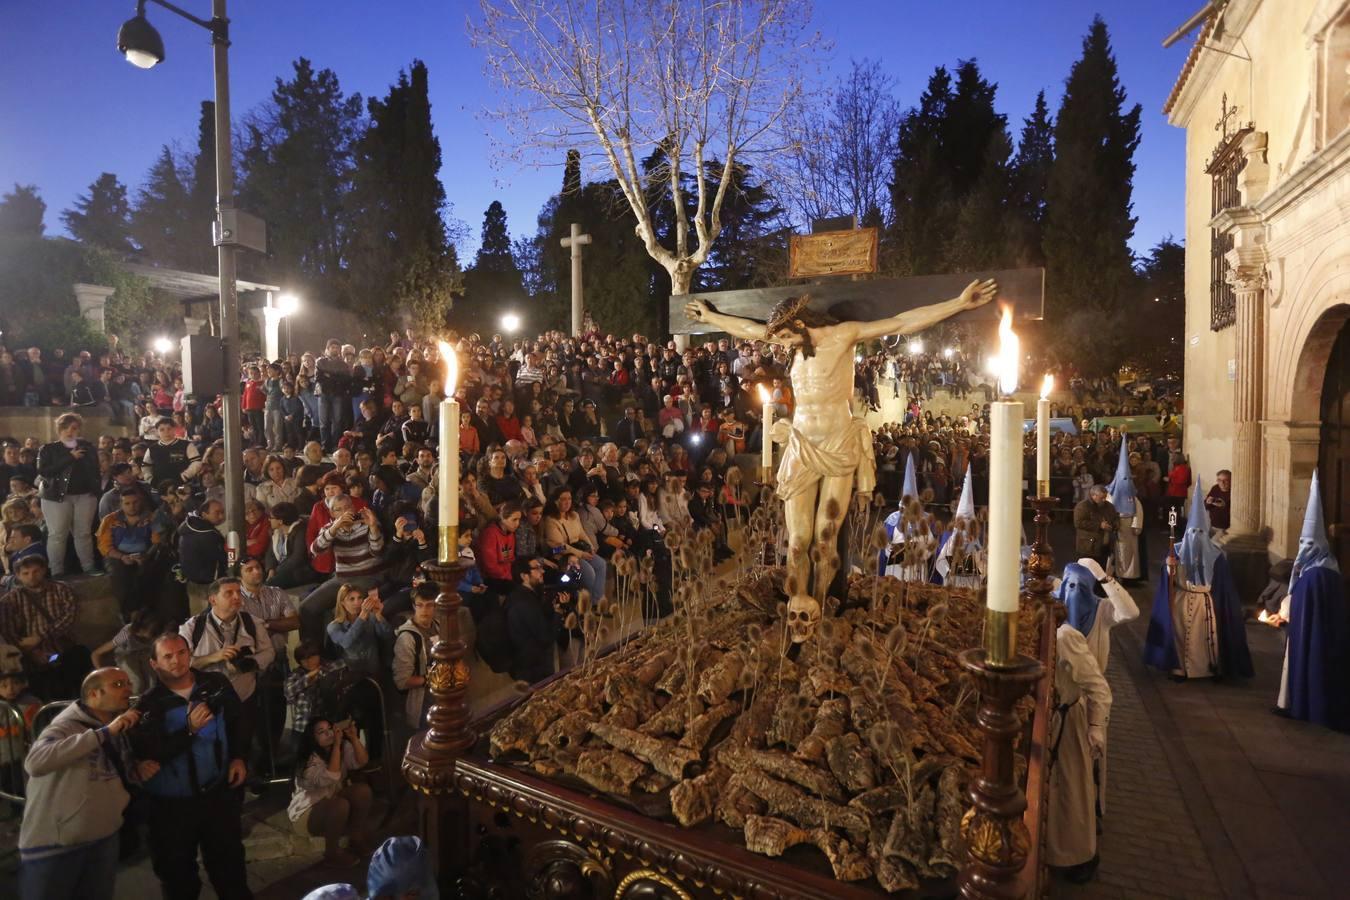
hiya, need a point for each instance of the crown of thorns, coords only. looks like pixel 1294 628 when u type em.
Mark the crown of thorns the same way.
pixel 785 311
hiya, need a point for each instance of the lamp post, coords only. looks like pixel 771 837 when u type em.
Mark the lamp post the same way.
pixel 289 305
pixel 143 47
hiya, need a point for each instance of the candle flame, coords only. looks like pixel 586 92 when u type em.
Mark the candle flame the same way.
pixel 451 368
pixel 1047 386
pixel 764 395
pixel 1008 353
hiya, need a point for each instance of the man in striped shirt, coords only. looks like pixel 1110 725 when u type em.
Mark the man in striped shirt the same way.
pixel 358 548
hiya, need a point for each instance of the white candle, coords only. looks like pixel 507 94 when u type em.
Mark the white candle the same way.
pixel 1043 438
pixel 1005 480
pixel 448 488
pixel 766 422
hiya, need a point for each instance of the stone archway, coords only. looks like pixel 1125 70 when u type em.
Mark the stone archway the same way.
pixel 1317 434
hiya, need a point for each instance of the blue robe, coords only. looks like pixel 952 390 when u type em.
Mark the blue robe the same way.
pixel 1160 645
pixel 1317 682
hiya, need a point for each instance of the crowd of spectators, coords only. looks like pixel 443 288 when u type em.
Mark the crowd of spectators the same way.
pixel 575 453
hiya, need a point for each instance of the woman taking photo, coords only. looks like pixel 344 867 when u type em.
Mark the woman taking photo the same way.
pixel 564 536
pixel 358 628
pixel 325 802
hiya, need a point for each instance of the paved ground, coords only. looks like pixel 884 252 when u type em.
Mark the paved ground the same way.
pixel 1210 795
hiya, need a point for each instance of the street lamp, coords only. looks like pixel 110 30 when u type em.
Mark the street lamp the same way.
pixel 510 323
pixel 289 304
pixel 163 345
pixel 915 347
pixel 143 47
pixel 947 352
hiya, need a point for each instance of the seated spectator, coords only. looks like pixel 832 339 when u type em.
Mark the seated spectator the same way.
pixel 495 550
pixel 317 688
pixel 16 723
pixel 201 551
pixel 278 486
pixel 359 631
pixel 22 541
pixel 565 539
pixel 130 649
pixel 325 801
pixel 38 617
pixel 257 529
pixel 287 557
pixel 410 546
pixel 357 546
pixel 124 539
pixel 532 624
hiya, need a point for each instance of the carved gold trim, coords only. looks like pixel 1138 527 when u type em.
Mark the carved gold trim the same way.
pixel 649 875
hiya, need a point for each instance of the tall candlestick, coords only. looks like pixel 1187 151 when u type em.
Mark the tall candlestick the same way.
pixel 766 425
pixel 447 491
pixel 1043 438
pixel 1005 502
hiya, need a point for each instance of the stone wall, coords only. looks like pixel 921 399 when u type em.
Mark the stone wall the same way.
pixel 40 422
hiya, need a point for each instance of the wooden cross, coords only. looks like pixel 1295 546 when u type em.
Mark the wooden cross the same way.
pixel 865 301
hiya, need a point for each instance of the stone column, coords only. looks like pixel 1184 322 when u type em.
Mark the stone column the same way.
pixel 93 298
pixel 1249 285
pixel 269 328
pixel 193 326
pixel 575 243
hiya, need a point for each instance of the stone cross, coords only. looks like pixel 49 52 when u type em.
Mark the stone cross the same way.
pixel 576 242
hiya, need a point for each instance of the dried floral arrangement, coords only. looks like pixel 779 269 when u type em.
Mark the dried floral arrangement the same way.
pixel 858 742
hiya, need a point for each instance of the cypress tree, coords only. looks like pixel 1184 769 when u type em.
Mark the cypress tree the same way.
pixel 1088 221
pixel 1030 176
pixel 102 217
pixel 159 223
pixel 21 212
pixel 202 190
pixel 921 202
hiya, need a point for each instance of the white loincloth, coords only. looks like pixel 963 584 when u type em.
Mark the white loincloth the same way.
pixel 805 462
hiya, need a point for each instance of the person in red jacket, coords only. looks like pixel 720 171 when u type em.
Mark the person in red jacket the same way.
pixel 254 400
pixel 496 548
pixel 332 484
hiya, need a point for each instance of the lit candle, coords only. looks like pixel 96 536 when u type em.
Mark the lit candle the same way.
pixel 766 420
pixel 1043 437
pixel 1005 479
pixel 447 550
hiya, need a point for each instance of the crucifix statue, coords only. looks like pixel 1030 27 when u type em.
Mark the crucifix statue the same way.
pixel 576 242
pixel 828 458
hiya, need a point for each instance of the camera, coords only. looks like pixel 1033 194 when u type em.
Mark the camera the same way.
pixel 244 661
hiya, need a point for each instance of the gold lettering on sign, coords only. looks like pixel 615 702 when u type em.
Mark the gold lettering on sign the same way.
pixel 833 253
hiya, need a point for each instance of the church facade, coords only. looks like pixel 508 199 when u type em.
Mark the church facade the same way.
pixel 1264 97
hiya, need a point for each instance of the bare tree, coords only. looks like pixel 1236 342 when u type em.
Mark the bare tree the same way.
pixel 842 155
pixel 657 88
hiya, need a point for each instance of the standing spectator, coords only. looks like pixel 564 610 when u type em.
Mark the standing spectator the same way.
pixel 226 640
pixel 191 727
pixel 287 558
pixel 532 624
pixel 1219 501
pixel 334 386
pixel 254 402
pixel 77 792
pixel 125 538
pixel 38 617
pixel 68 469
pixel 1095 522
pixel 170 458
pixel 412 651
pixel 325 801
pixel 274 609
pixel 1178 483
pixel 201 551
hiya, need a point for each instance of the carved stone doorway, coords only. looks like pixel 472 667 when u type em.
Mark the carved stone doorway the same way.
pixel 1333 456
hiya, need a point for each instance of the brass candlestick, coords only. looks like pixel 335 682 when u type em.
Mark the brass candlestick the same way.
pixel 429 764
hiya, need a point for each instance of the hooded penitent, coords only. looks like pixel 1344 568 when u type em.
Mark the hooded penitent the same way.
pixel 1196 551
pixel 1314 550
pixel 965 526
pixel 401 865
pixel 1077 594
pixel 910 488
pixel 1121 489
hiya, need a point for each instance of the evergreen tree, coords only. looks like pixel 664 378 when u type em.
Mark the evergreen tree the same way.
pixel 922 206
pixel 1158 325
pixel 752 252
pixel 159 223
pixel 21 212
pixel 297 160
pixel 202 191
pixel 102 217
pixel 494 280
pixel 1030 175
pixel 400 256
pixel 1088 223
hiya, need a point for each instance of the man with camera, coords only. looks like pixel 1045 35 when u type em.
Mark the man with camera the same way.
pixel 276 613
pixel 38 617
pixel 191 726
pixel 226 640
pixel 77 791
pixel 532 622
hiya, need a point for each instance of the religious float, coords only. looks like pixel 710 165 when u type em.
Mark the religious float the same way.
pixel 869 737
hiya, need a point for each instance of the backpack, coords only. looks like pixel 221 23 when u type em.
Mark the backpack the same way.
pixel 199 627
pixel 419 653
pixel 493 643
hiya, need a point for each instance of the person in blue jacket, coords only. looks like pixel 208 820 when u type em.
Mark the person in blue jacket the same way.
pixel 190 725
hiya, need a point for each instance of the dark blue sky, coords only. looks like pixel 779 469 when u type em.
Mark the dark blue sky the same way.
pixel 72 108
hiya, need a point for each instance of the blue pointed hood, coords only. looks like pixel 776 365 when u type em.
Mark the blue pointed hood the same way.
pixel 399 866
pixel 911 485
pixel 1121 490
pixel 1314 549
pixel 334 892
pixel 965 507
pixel 1077 594
pixel 1196 550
